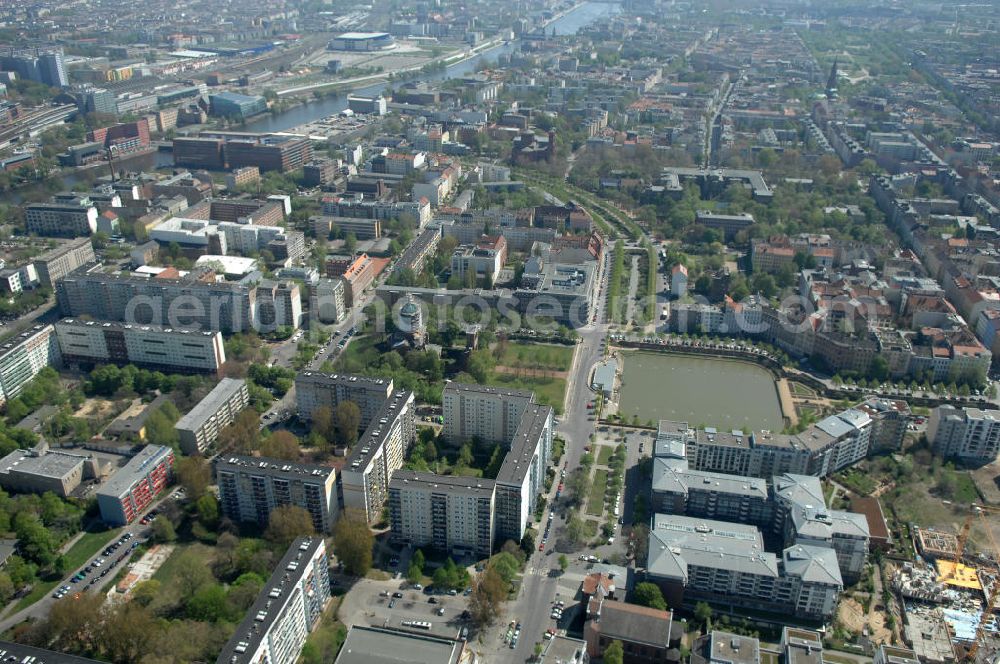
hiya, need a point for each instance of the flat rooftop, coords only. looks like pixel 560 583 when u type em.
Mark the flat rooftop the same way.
pixel 376 645
pixel 53 464
pixel 137 468
pixel 673 475
pixel 21 653
pixel 211 404
pixel 530 429
pixel 273 467
pixel 379 428
pixel 473 486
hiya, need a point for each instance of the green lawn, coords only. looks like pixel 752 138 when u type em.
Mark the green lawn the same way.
pixel 77 555
pixel 548 391
pixel 589 528
pixel 595 502
pixel 604 453
pixel 550 357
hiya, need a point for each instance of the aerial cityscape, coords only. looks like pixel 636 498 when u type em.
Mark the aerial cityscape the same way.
pixel 559 331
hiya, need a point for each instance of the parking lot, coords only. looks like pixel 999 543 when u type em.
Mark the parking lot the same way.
pixel 386 603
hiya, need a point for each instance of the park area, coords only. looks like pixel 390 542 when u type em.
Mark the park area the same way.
pixel 540 368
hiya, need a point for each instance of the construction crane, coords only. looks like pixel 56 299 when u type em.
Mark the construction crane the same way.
pixel 994 591
pixel 956 557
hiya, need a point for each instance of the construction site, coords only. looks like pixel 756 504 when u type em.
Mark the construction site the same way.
pixel 948 595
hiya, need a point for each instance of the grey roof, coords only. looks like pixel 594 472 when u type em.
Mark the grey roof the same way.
pixel 813 563
pixel 55 464
pixel 534 420
pixel 136 469
pixel 472 388
pixel 635 624
pixel 212 403
pixel 799 489
pixel 674 540
pixel 380 427
pixel 375 645
pixel 732 648
pixel 802 646
pixel 262 613
pixel 447 483
pixel 22 653
pixel 673 475
pixel 272 467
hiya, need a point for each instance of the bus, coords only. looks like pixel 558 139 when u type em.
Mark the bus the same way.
pixel 417 624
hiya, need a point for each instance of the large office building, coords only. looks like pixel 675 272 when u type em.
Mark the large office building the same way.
pixel 199 429
pixel 968 434
pixel 56 263
pixel 195 300
pixel 250 488
pixel 427 509
pixel 198 152
pixel 314 389
pixel 149 346
pixel 136 485
pixel 726 563
pixel 286 610
pixel 285 155
pixel 46 66
pixel 68 217
pixel 377 455
pixel 236 106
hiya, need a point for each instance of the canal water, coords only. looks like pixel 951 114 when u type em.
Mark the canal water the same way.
pixel 569 24
pixel 702 391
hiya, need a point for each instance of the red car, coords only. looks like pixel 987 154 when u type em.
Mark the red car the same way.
pixel 541 547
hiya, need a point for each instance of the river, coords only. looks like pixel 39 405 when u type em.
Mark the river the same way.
pixel 313 110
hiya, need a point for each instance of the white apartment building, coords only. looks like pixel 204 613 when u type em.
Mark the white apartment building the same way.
pixel 69 219
pixel 22 357
pixel 448 512
pixel 250 488
pixel 143 345
pixel 200 428
pixel 326 302
pixel 379 453
pixel 969 434
pixel 314 389
pixel 286 610
pixel 477 411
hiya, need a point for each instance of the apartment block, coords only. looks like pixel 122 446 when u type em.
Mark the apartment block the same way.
pixel 358 273
pixel 508 417
pixel 314 389
pixel 378 454
pixel 149 346
pixel 250 488
pixel 478 411
pixel 722 562
pixel 448 512
pixel 70 218
pixel 192 301
pixel 286 610
pixel 361 228
pixel 199 429
pixel 56 263
pixel 136 485
pixel 484 260
pixel 969 434
pixel 23 356
pixel 327 304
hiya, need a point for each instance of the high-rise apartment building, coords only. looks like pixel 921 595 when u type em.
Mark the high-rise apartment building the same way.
pixel 969 434
pixel 378 454
pixel 199 428
pixel 449 512
pixel 286 610
pixel 72 217
pixel 250 488
pixel 477 411
pixel 46 66
pixel 314 389
pixel 22 357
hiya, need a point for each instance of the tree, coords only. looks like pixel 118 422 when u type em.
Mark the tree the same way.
pixel 614 653
pixel 163 530
pixel 489 591
pixel 125 632
pixel 145 592
pixel 353 542
pixel 282 445
pixel 194 474
pixel 563 562
pixel 414 574
pixel 418 559
pixel 242 434
pixel 703 612
pixel 649 594
pixel 322 423
pixel 286 523
pixel 348 418
pixel 208 510
pixel 574 529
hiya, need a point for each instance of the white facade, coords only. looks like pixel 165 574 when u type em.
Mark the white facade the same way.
pixel 476 411
pixel 22 357
pixel 970 434
pixel 58 220
pixel 200 427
